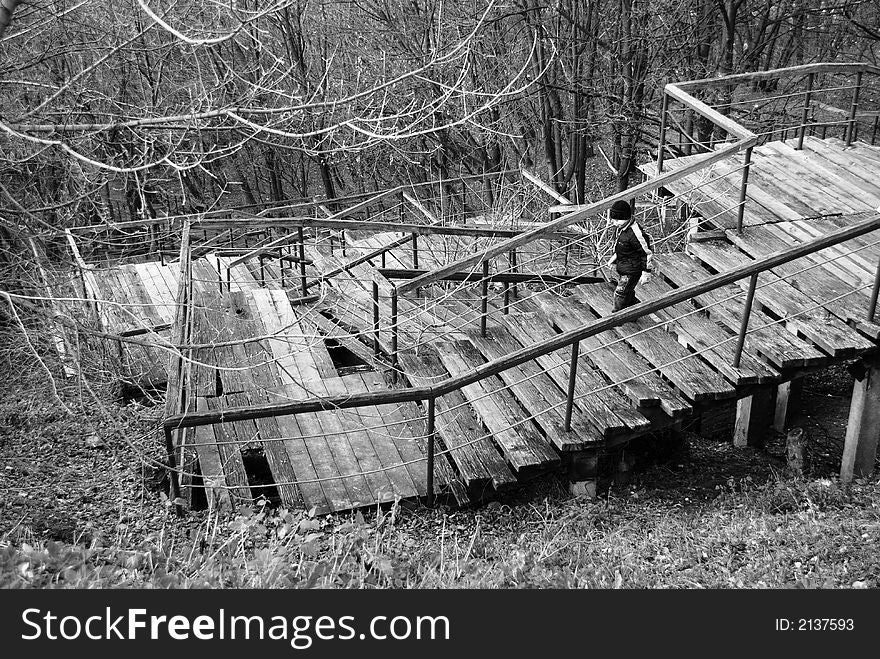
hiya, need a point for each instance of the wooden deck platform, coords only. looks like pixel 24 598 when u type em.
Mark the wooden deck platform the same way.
pixel 252 345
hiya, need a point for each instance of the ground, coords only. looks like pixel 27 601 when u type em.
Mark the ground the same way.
pixel 83 505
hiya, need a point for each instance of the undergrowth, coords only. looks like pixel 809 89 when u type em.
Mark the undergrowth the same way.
pixel 783 533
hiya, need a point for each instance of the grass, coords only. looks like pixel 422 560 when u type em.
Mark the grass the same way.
pixel 782 533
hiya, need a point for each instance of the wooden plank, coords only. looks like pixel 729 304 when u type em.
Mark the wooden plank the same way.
pixel 202 380
pixel 818 284
pixel 693 377
pixel 783 349
pixel 299 375
pixel 852 261
pixel 837 222
pixel 283 473
pixel 228 446
pixel 156 294
pixel 539 395
pixel 606 408
pixel 620 363
pixel 819 325
pixel 384 436
pixel 396 442
pixel 356 422
pixel 846 189
pixel 350 453
pixel 813 187
pixel 516 434
pixel 313 469
pixel 697 332
pixel 210 463
pixel 477 460
pixel 864 175
pixel 412 424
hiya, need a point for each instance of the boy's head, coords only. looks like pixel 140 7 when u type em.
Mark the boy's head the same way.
pixel 620 212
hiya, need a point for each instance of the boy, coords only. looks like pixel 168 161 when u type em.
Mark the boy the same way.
pixel 632 254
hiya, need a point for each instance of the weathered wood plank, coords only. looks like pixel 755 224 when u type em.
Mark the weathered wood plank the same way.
pixel 539 395
pixel 595 395
pixel 819 284
pixel 229 448
pixel 477 460
pixel 210 463
pixel 516 435
pixel 693 377
pixel 619 362
pixel 698 332
pixel 819 325
pixel 783 349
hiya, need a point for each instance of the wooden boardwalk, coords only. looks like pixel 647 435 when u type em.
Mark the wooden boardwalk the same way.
pixel 251 345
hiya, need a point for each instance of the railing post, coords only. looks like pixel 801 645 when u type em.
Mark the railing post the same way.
pixel 513 270
pixel 850 127
pixel 431 435
pixel 484 301
pixel 300 234
pixel 572 378
pixel 262 259
pixel 506 307
pixel 662 144
pixel 375 319
pixel 744 325
pixel 415 251
pixel 874 130
pixel 875 292
pixel 806 111
pixel 172 472
pixel 742 191
pixel 394 333
pixel 281 264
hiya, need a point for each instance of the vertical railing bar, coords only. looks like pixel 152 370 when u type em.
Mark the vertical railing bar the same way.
pixel 375 319
pixel 875 292
pixel 484 301
pixel 662 143
pixel 572 378
pixel 742 191
pixel 513 269
pixel 744 325
pixel 394 360
pixel 281 264
pixel 302 261
pixel 431 437
pixel 850 128
pixel 806 111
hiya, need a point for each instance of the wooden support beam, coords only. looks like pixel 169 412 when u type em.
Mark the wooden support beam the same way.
pixel 562 199
pixel 788 395
pixel 583 472
pixel 863 426
pixel 754 416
